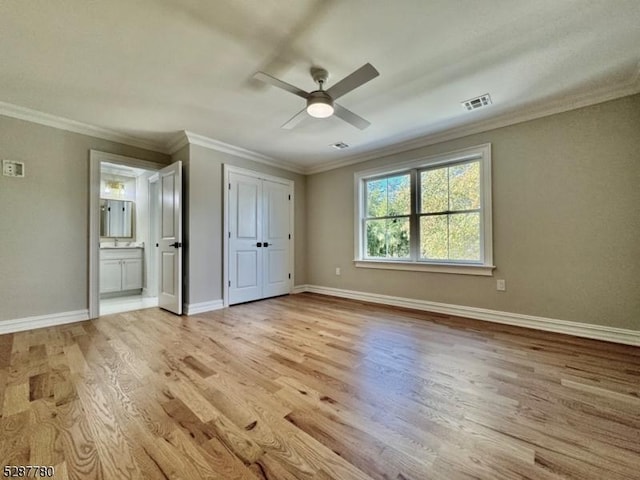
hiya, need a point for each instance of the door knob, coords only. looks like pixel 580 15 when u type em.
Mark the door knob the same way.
pixel 259 244
pixel 176 245
pixel 266 244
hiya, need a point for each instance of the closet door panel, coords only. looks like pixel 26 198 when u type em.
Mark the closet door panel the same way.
pixel 276 231
pixel 245 231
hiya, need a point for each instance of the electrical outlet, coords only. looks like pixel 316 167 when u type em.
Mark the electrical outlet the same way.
pixel 12 169
pixel 338 272
pixel 501 285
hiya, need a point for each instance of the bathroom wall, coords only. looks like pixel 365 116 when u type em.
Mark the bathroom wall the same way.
pixel 142 222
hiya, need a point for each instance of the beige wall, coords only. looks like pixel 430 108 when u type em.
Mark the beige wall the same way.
pixel 566 192
pixel 204 176
pixel 566 221
pixel 44 218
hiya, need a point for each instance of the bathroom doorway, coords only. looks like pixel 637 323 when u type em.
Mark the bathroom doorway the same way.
pixel 123 267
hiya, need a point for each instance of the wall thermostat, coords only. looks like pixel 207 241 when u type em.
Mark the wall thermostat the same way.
pixel 11 168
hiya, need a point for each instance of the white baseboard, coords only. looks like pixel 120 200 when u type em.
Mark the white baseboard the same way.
pixel 195 308
pixel 41 321
pixel 300 289
pixel 597 332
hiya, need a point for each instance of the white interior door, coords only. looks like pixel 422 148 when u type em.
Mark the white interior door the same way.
pixel 245 243
pixel 276 232
pixel 259 242
pixel 170 241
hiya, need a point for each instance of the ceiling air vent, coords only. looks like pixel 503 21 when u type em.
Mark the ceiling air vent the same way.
pixel 340 145
pixel 478 102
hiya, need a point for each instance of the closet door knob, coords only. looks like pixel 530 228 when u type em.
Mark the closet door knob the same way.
pixel 259 244
pixel 266 244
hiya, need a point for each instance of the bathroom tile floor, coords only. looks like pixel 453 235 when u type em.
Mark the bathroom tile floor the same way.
pixel 126 304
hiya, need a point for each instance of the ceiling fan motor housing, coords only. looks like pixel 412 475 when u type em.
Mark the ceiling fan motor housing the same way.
pixel 319 75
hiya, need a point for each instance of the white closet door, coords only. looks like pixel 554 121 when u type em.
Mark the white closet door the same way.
pixel 275 238
pixel 245 242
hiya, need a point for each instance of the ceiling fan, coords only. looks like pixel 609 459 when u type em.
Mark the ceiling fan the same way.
pixel 321 103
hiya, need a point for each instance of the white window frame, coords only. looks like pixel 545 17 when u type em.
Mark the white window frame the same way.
pixel 484 267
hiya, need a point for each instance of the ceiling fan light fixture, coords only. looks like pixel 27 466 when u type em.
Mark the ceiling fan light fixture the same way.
pixel 319 105
pixel 320 110
pixel 320 102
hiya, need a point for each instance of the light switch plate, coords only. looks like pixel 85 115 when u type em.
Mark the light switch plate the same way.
pixel 12 168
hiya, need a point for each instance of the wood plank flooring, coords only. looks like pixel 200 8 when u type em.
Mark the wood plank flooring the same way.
pixel 314 387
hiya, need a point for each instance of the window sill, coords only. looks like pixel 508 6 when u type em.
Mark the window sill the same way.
pixel 456 268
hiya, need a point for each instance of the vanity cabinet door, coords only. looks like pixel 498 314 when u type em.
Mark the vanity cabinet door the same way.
pixel 131 274
pixel 110 276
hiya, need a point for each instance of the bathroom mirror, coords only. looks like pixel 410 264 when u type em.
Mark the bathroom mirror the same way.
pixel 116 218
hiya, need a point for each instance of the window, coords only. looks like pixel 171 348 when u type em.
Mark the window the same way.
pixel 388 205
pixel 433 214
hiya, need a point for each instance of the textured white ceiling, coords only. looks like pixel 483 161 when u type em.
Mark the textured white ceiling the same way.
pixel 150 68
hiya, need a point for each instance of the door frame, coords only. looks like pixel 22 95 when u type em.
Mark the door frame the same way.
pixel 96 157
pixel 225 216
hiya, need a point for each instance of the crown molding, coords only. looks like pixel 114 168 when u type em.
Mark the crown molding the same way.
pixel 183 138
pixel 179 140
pixel 570 102
pixel 41 118
pixel 202 141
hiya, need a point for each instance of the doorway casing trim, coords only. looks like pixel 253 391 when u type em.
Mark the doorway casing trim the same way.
pixel 96 157
pixel 225 230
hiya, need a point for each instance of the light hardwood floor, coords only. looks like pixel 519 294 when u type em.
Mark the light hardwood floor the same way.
pixel 314 387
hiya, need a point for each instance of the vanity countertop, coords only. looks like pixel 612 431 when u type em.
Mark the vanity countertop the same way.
pixel 120 245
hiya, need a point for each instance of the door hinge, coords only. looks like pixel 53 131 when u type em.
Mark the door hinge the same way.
pixel 229 234
pixel 289 236
pixel 289 275
pixel 229 282
pixel 289 197
pixel 229 186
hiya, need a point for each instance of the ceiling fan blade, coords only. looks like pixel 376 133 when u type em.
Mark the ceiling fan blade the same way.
pixel 350 117
pixel 265 77
pixel 295 120
pixel 351 82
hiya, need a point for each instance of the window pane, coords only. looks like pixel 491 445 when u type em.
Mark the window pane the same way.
pixel 464 236
pixel 399 195
pixel 435 190
pixel 377 198
pixel 464 186
pixel 388 238
pixel 433 237
pixel 389 196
